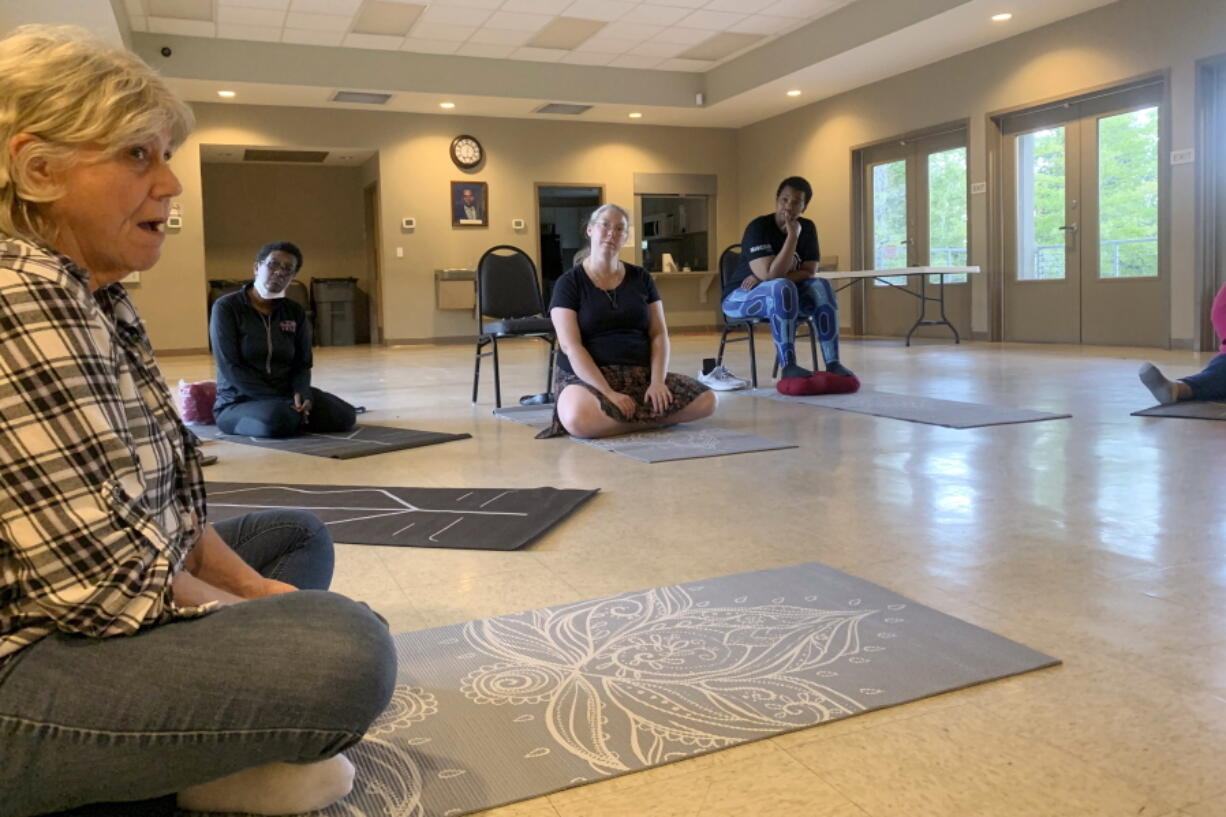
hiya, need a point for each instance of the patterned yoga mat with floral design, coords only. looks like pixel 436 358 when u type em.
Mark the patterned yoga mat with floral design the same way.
pixel 516 706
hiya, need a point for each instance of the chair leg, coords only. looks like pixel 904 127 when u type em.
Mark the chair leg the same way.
pixel 753 357
pixel 813 342
pixel 476 370
pixel 723 339
pixel 497 381
pixel 553 350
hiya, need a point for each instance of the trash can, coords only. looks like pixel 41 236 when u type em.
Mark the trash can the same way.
pixel 333 298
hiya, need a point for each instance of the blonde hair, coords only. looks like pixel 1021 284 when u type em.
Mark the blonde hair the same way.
pixel 604 208
pixel 71 90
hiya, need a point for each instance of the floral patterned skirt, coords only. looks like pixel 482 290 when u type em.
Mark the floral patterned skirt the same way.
pixel 633 381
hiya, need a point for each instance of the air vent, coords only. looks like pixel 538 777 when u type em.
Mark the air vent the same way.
pixel 563 108
pixel 364 97
pixel 299 156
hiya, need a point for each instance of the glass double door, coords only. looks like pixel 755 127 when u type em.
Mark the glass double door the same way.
pixel 1081 214
pixel 915 215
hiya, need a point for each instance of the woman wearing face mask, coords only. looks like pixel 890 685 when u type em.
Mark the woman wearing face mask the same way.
pixel 262 346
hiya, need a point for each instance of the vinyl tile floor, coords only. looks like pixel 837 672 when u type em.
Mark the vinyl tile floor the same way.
pixel 1099 539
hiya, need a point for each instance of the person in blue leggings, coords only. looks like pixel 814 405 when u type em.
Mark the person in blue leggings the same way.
pixel 1209 384
pixel 774 280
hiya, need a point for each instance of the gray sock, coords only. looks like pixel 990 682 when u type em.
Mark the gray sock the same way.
pixel 1164 391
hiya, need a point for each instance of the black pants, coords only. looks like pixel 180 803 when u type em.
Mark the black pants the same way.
pixel 277 418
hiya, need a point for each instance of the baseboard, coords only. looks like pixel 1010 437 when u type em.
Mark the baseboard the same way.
pixel 1183 344
pixel 439 341
pixel 985 336
pixel 204 350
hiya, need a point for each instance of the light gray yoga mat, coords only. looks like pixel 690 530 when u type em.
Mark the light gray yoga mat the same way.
pixel 684 441
pixel 517 706
pixel 1194 409
pixel 948 413
pixel 456 518
pixel 362 441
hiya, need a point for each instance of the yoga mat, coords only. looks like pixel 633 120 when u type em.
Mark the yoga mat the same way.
pixel 459 518
pixel 683 441
pixel 516 706
pixel 361 441
pixel 1194 409
pixel 948 413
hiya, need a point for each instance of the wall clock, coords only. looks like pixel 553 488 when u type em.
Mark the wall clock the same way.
pixel 466 152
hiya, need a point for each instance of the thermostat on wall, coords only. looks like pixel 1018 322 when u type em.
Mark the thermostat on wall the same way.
pixel 517 224
pixel 408 224
pixel 174 223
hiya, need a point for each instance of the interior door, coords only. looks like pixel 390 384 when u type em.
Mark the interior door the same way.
pixel 1083 260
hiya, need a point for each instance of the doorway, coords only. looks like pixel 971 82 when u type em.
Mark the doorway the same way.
pixel 912 202
pixel 1082 209
pixel 562 214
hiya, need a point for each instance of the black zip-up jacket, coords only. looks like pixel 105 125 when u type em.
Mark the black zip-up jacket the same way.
pixel 259 356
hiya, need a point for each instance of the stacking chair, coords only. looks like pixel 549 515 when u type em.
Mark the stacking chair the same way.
pixel 728 261
pixel 509 291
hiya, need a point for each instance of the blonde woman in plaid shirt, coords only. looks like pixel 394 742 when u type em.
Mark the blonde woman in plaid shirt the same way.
pixel 143 652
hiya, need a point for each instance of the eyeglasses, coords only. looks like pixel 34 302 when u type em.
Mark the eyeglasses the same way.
pixel 615 229
pixel 273 266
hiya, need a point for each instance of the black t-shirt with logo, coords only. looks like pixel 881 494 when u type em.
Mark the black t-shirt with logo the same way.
pixel 763 238
pixel 613 324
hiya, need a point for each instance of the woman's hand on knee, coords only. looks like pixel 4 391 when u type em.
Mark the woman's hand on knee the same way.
pixel 623 402
pixel 658 397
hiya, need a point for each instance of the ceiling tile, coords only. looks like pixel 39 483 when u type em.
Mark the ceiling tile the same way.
pixel 386 18
pixel 454 15
pixel 635 61
pixel 630 31
pixel 429 46
pixel 539 54
pixel 500 36
pixel 763 24
pixel 301 36
pixel 271 5
pixel 722 45
pixel 477 4
pixel 382 42
pixel 519 22
pixel 236 15
pixel 695 66
pixel 658 49
pixel 186 28
pixel 689 4
pixel 810 9
pixel 657 15
pixel 536 6
pixel 201 10
pixel 607 45
pixel 743 6
pixel 337 7
pixel 712 20
pixel 441 31
pixel 566 33
pixel 685 36
pixel 586 58
pixel 598 9
pixel 242 31
pixel 497 52
pixel 317 22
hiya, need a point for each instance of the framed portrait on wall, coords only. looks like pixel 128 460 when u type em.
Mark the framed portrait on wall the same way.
pixel 470 204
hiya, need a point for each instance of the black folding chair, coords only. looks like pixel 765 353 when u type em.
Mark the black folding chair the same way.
pixel 509 291
pixel 728 261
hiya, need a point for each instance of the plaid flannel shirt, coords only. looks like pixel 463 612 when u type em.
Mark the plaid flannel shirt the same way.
pixel 101 493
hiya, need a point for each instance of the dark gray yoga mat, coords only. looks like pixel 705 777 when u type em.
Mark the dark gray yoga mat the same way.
pixel 948 413
pixel 1193 409
pixel 362 441
pixel 459 518
pixel 520 705
pixel 684 441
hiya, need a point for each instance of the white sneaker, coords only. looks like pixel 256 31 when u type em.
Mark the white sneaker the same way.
pixel 721 379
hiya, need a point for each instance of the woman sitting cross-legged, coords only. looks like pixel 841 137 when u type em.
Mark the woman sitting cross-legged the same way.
pixel 613 373
pixel 262 346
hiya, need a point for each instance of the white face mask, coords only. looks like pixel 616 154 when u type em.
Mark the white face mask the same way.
pixel 267 294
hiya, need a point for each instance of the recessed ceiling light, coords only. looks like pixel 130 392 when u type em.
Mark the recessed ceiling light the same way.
pixel 1002 17
pixel 635 115
pixel 226 94
pixel 447 105
pixel 794 92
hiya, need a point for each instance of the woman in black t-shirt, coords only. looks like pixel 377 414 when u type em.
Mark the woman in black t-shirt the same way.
pixel 613 367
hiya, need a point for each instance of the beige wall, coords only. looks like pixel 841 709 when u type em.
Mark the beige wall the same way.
pixel 1124 40
pixel 414 172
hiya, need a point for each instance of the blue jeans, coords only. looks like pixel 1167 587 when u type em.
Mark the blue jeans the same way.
pixel 295 677
pixel 1209 384
pixel 782 302
pixel 277 418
